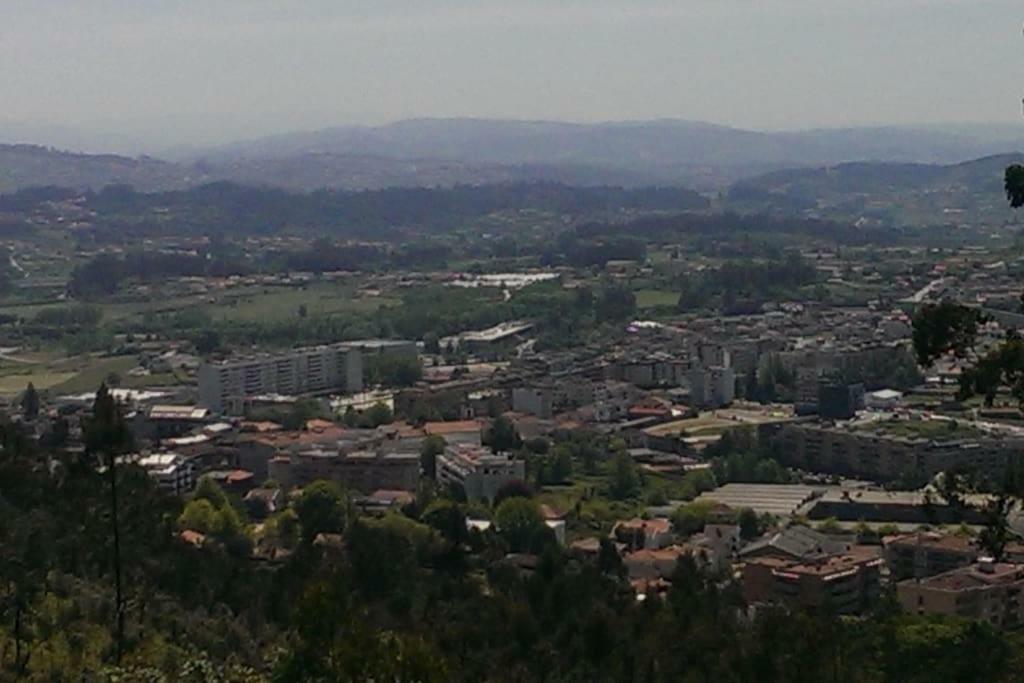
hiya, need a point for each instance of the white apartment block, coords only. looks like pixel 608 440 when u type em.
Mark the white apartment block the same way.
pixel 224 386
pixel 171 471
pixel 480 473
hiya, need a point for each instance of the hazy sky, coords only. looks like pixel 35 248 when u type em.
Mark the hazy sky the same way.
pixel 199 70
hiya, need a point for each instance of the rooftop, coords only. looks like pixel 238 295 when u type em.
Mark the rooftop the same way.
pixel 168 412
pixel 776 499
pixel 979 575
pixel 835 566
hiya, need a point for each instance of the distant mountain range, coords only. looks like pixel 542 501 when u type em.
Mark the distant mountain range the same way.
pixel 442 152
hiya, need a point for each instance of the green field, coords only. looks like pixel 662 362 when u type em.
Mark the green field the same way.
pixel 250 304
pixel 652 298
pixel 75 375
pixel 278 304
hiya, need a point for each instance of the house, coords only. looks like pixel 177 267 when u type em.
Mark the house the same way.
pixel 263 502
pixel 985 591
pixel 718 544
pixel 652 564
pixel 382 500
pixel 649 534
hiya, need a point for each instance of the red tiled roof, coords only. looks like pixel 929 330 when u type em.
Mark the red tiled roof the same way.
pixel 442 428
pixel 192 537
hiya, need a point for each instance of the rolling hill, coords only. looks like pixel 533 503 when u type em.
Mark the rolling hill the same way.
pixel 885 192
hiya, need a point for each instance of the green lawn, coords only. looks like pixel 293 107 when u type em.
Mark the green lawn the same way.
pixel 652 298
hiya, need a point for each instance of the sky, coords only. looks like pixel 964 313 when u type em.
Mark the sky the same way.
pixel 207 71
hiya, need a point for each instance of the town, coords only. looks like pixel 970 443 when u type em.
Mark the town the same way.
pixel 767 419
pixel 511 342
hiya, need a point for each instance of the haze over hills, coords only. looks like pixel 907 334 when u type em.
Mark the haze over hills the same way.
pixel 444 152
pixel 663 144
pixel 889 192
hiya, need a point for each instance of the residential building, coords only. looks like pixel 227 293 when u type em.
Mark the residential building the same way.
pixel 533 400
pixel 712 387
pixel 923 554
pixel 172 471
pixel 839 401
pixel 889 451
pixel 649 534
pixel 167 421
pixel 718 545
pixel 986 591
pixel 480 473
pixel 254 450
pixel 647 565
pixel 225 386
pixel 847 583
pixel 797 544
pixel 465 432
pixel 364 471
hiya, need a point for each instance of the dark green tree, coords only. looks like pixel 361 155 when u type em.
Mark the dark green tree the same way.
pixel 519 522
pixel 625 482
pixel 431 447
pixel 321 508
pixel 107 438
pixel 943 328
pixel 502 436
pixel 30 402
pixel 1014 185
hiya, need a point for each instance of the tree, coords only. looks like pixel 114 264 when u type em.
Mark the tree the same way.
pixel 1014 185
pixel 943 328
pixel 561 464
pixel 302 411
pixel 616 303
pixel 30 402
pixel 199 515
pixel 625 481
pixel 107 438
pixel 392 370
pixel 512 489
pixel 207 342
pixel 690 518
pixel 284 528
pixel 431 343
pixel 447 517
pixel 502 436
pixel 519 522
pixel 750 525
pixel 321 508
pixel 378 414
pixel 208 489
pixel 431 447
